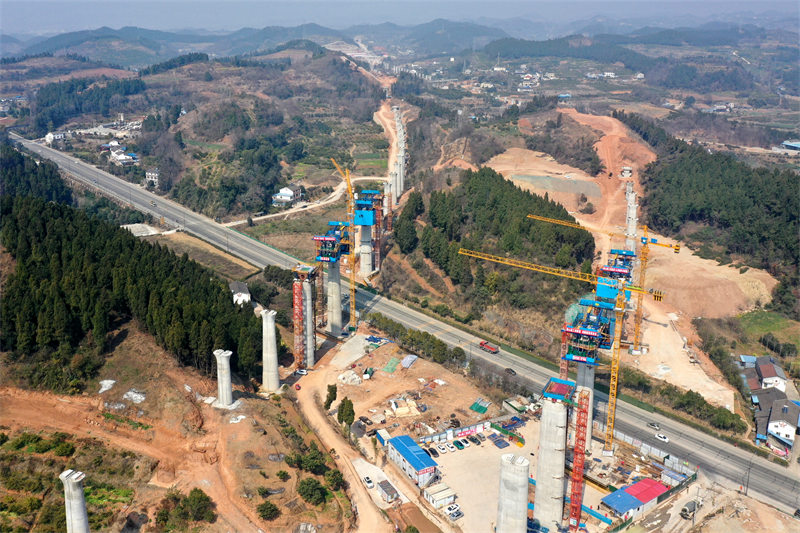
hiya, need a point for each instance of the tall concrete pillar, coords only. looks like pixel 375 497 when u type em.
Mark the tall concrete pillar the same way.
pixel 270 380
pixel 550 477
pixel 631 219
pixel 224 389
pixel 585 381
pixel 512 505
pixel 365 250
pixel 74 501
pixel 387 195
pixel 311 336
pixel 334 298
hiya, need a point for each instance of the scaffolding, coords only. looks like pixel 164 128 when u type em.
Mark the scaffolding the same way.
pixel 579 457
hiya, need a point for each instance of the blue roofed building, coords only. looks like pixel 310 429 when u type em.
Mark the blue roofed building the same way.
pixel 791 144
pixel 412 459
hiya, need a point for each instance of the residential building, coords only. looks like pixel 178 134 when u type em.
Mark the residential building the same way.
pixel 763 400
pixel 241 294
pixel 412 459
pixel 151 177
pixel 784 419
pixel 770 374
pixel 288 195
pixel 53 136
pixel 791 144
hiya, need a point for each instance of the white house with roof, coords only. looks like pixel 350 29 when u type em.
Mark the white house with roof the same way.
pixel 241 294
pixel 770 374
pixel 783 421
pixel 287 195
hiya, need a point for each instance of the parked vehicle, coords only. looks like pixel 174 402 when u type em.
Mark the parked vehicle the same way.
pixel 442 448
pixel 474 440
pixel 450 447
pixel 452 508
pixel 368 482
pixel 434 453
pixel 457 444
pixel 487 346
pixel 465 442
pixel 481 436
pixel 455 516
pixel 301 371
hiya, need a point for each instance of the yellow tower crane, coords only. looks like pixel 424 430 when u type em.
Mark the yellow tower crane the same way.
pixel 643 256
pixel 619 309
pixel 351 218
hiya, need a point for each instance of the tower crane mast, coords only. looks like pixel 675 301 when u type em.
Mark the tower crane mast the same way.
pixel 351 215
pixel 619 309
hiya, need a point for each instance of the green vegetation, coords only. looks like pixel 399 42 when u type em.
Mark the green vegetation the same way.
pixel 487 213
pixel 56 103
pixel 346 413
pixel 31 495
pixel 75 275
pixel 334 479
pixel 718 349
pixel 312 491
pixel 125 420
pixel 283 475
pixel 268 511
pixel 22 176
pixel 580 153
pixel 313 460
pixel 176 510
pixel 331 396
pixel 175 62
pixel 746 212
pixel 405 234
pixel 419 342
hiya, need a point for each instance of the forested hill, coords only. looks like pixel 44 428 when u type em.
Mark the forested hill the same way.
pixel 487 213
pixel 724 206
pixel 75 275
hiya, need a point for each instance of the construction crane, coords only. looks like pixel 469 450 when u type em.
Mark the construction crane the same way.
pixel 351 216
pixel 645 251
pixel 619 309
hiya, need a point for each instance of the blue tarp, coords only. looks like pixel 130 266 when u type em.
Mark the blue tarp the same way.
pixel 621 502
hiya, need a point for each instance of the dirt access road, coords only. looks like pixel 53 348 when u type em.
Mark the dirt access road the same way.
pixel 179 465
pixel 314 385
pixel 694 286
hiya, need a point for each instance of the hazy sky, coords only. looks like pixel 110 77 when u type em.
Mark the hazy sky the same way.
pixel 47 16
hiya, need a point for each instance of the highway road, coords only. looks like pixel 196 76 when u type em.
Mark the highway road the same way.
pixel 721 462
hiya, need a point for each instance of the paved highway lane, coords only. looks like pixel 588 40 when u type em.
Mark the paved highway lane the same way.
pixel 722 462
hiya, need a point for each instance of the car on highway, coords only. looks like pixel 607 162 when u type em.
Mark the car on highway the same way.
pixel 433 452
pixel 465 442
pixel 455 516
pixel 368 482
pixel 653 425
pixel 662 437
pixel 487 346
pixel 457 444
pixel 452 508
pixel 301 371
pixel 450 447
pixel 442 448
pixel 511 372
pixel 152 203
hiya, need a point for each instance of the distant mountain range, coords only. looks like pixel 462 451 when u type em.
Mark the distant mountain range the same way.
pixel 132 46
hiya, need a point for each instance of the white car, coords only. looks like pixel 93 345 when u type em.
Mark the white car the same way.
pixel 451 447
pixel 662 437
pixel 465 442
pixel 452 508
pixel 441 448
pixel 368 482
pixel 301 371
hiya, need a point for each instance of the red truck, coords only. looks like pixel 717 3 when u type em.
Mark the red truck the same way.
pixel 487 346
